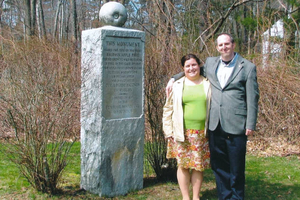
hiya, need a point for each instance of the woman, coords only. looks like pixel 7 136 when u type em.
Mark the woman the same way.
pixel 185 123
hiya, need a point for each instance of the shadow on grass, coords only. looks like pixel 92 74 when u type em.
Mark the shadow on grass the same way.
pixel 258 189
pixel 261 190
pixel 262 183
pixel 208 190
pixel 150 181
pixel 273 178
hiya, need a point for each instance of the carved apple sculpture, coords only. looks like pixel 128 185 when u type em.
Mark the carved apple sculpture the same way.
pixel 113 13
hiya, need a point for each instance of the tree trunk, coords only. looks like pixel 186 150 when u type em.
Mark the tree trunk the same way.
pixel 74 21
pixel 41 20
pixel 27 18
pixel 56 19
pixel 1 32
pixel 33 17
pixel 30 17
pixel 62 23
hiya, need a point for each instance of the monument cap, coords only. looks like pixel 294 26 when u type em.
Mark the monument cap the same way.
pixel 113 13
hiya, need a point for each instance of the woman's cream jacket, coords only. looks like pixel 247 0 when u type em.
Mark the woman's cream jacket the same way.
pixel 173 125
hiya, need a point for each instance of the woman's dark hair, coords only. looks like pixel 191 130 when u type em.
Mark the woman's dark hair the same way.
pixel 189 56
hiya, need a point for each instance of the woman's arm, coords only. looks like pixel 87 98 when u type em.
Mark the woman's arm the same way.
pixel 167 116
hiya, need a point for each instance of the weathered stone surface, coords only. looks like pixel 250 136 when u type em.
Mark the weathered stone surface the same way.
pixel 112 113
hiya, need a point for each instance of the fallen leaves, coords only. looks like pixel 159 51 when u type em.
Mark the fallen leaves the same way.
pixel 266 147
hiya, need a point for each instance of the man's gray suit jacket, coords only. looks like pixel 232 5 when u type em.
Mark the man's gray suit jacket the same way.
pixel 236 105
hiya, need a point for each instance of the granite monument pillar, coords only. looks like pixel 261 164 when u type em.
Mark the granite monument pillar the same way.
pixel 112 99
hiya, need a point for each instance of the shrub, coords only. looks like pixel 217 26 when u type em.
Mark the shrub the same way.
pixel 157 73
pixel 39 105
pixel 279 104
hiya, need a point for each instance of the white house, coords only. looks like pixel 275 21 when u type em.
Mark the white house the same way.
pixel 270 46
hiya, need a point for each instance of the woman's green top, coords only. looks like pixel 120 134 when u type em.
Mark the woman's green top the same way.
pixel 194 106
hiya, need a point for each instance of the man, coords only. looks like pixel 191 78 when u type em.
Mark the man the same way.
pixel 233 115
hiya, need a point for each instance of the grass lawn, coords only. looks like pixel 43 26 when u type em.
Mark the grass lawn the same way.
pixel 266 178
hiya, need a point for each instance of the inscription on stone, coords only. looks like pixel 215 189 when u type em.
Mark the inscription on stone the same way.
pixel 123 82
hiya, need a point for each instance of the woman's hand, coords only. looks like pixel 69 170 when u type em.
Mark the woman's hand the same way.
pixel 169 87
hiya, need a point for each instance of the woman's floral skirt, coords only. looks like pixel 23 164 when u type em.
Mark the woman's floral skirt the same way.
pixel 193 153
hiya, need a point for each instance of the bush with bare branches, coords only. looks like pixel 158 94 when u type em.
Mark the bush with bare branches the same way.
pixel 279 105
pixel 39 104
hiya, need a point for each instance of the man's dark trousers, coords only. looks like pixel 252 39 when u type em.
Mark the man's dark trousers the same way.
pixel 228 153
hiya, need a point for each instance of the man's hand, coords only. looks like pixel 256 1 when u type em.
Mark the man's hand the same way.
pixel 249 132
pixel 169 87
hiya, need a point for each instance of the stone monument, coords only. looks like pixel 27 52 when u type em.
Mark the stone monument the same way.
pixel 112 112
